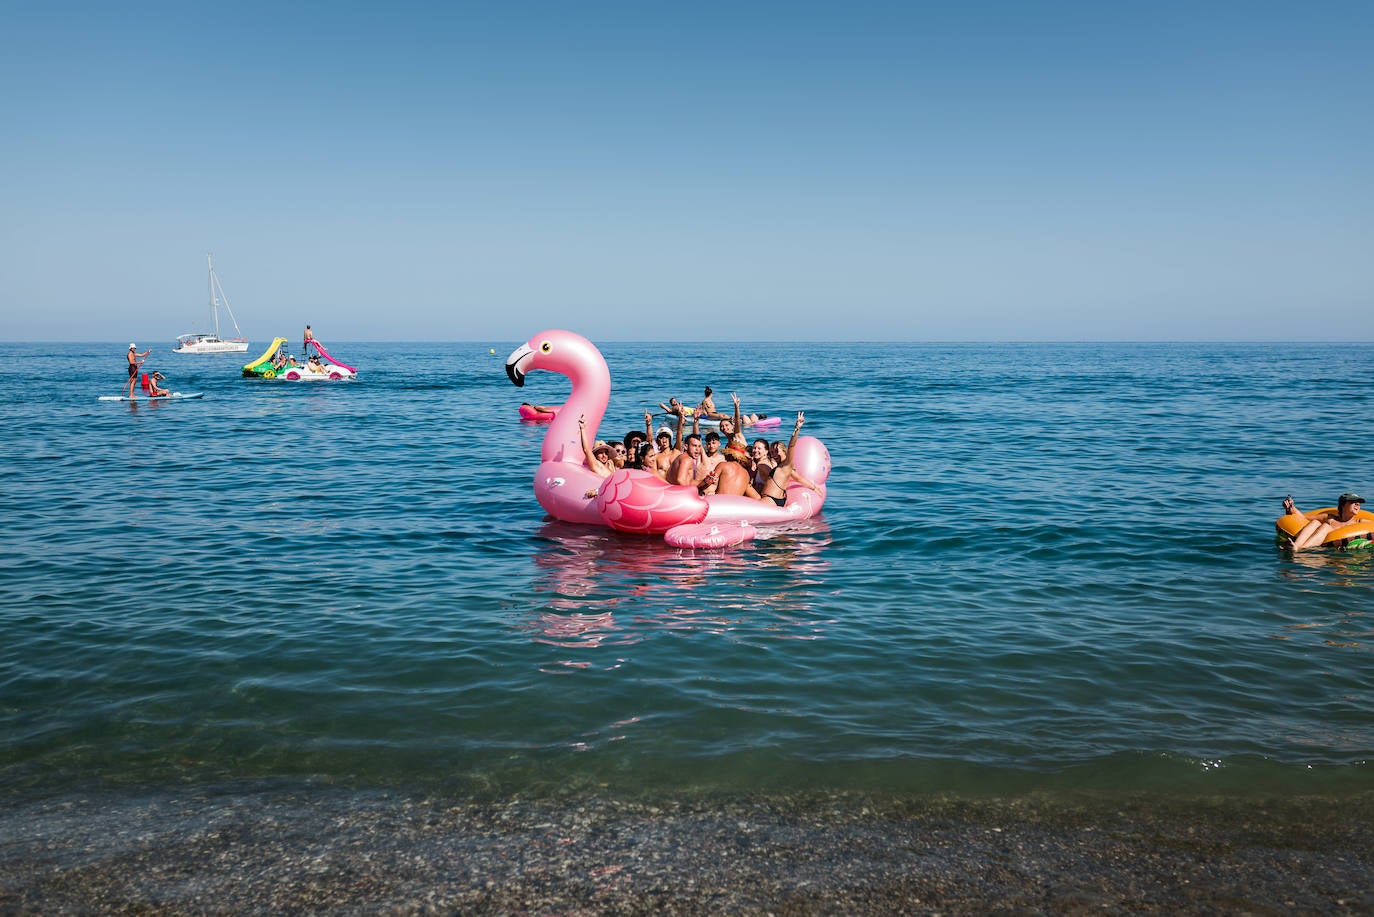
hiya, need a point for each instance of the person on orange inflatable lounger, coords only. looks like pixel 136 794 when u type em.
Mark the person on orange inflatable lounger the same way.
pixel 1316 526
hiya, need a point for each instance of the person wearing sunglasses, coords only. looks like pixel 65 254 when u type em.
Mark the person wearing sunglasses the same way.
pixel 1318 525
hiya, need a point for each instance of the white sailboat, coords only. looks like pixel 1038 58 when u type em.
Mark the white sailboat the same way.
pixel 204 342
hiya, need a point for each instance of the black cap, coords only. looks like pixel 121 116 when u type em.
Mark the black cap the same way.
pixel 1348 497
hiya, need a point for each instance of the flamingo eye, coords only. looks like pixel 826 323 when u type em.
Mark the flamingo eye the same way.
pixel 546 346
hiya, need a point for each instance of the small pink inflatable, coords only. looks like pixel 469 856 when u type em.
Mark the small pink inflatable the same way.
pixel 709 535
pixel 527 412
pixel 631 500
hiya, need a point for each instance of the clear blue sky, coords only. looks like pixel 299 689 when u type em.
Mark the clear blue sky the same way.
pixel 699 171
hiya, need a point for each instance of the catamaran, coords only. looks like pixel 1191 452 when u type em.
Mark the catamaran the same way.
pixel 205 342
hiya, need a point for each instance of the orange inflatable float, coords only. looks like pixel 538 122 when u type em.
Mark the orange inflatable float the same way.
pixel 1361 526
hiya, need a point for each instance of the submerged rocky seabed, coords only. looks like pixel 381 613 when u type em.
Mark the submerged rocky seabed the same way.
pixel 324 849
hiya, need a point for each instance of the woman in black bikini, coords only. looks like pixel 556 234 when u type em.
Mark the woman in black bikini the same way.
pixel 775 487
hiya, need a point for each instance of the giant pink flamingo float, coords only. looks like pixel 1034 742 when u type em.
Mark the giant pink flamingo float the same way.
pixel 631 500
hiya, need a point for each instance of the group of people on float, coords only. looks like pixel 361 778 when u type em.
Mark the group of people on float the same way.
pixel 716 463
pixel 706 410
pixel 283 360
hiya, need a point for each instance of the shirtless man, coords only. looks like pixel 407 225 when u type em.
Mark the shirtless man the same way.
pixel 674 407
pixel 667 452
pixel 711 455
pixel 689 469
pixel 135 361
pixel 706 410
pixel 732 477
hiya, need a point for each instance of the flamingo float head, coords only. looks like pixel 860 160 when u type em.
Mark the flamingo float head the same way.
pixel 569 354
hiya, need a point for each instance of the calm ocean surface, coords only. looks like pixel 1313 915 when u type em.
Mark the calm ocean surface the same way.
pixel 1039 566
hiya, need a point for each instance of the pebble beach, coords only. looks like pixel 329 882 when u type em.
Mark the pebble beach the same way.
pixel 329 851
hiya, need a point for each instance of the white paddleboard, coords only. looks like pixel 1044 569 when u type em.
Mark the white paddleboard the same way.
pixel 174 396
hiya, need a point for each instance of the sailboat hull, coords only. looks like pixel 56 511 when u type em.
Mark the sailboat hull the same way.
pixel 208 344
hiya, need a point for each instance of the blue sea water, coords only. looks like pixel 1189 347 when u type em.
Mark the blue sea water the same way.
pixel 1039 566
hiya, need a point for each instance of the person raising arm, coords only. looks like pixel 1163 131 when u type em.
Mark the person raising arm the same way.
pixel 775 487
pixel 732 428
pixel 597 458
pixel 1316 527
pixel 689 469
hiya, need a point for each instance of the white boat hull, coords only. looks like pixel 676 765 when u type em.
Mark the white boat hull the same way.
pixel 211 345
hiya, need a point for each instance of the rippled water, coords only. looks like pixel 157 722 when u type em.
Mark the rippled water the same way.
pixel 1038 565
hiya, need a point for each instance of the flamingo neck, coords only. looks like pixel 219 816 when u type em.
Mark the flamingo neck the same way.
pixel 591 391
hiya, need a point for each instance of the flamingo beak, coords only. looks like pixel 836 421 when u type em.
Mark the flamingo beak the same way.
pixel 514 368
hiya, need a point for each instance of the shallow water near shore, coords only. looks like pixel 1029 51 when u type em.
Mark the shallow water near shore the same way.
pixel 1040 567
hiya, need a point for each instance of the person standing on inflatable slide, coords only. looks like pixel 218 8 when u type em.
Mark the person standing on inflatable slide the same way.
pixel 135 361
pixel 307 339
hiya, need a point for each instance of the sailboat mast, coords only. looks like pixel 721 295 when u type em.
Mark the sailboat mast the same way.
pixel 214 300
pixel 217 296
